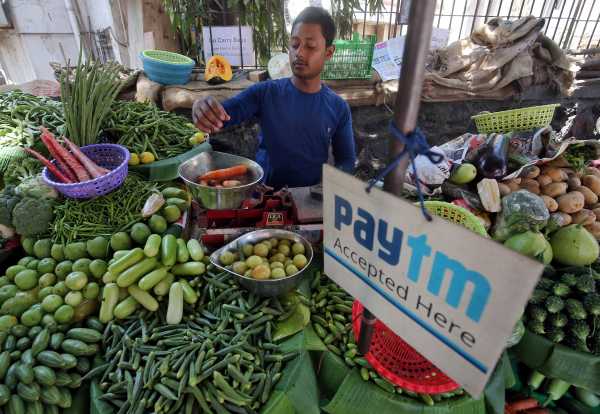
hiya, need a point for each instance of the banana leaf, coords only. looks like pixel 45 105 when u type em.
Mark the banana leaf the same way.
pixel 331 372
pixel 305 340
pixel 81 400
pixel 297 390
pixel 557 361
pixel 98 406
pixel 356 396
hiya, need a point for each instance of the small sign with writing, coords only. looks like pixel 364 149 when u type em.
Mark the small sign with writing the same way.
pixel 225 41
pixel 453 295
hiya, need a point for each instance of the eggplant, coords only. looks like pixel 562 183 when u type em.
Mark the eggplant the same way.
pixel 493 160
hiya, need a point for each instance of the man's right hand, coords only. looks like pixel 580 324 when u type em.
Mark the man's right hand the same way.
pixel 208 115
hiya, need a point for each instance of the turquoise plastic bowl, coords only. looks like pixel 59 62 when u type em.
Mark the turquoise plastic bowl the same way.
pixel 167 68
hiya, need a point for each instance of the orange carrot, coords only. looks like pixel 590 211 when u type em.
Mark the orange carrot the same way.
pixel 225 173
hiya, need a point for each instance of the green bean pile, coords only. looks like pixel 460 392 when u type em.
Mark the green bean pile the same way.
pixel 220 359
pixel 331 316
pixel 143 127
pixel 21 115
pixel 101 216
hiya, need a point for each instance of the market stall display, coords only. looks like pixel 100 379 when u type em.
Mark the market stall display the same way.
pixel 117 291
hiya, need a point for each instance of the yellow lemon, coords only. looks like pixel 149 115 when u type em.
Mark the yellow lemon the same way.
pixel 134 159
pixel 146 157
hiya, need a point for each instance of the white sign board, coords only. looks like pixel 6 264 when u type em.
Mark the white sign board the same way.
pixel 451 294
pixel 388 55
pixel 225 41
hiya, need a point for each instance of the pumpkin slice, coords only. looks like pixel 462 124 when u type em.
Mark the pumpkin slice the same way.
pixel 218 70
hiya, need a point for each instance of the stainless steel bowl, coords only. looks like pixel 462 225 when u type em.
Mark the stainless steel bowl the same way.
pixel 270 287
pixel 218 198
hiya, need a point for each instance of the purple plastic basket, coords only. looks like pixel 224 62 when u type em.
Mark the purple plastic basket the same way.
pixel 110 156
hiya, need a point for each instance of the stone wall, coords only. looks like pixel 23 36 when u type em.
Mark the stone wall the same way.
pixel 440 122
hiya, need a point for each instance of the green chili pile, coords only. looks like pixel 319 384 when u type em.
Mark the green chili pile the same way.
pixel 102 216
pixel 331 316
pixel 220 358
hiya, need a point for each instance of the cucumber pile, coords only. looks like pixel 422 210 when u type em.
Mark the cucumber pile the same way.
pixel 161 266
pixel 39 366
pixel 565 308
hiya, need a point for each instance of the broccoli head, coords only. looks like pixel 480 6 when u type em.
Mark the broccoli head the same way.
pixel 8 200
pixel 32 216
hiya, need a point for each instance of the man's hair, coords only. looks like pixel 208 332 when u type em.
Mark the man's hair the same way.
pixel 320 16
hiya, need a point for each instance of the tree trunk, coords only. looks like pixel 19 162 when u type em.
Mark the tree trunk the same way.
pixel 286 13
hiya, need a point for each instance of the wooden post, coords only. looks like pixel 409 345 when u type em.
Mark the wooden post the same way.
pixel 406 111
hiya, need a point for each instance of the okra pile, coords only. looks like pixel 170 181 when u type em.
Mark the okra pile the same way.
pixel 220 358
pixel 331 317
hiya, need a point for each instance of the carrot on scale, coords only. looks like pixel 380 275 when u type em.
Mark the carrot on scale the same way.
pixel 225 173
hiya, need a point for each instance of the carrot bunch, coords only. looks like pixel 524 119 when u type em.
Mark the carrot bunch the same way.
pixel 71 165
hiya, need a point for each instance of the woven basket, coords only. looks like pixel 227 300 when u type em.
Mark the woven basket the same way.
pixel 110 156
pixel 522 119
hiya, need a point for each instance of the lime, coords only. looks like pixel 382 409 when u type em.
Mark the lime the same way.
pixel 285 242
pixel 51 303
pixel 41 248
pixel 262 249
pixel 76 280
pixel 140 233
pixel 298 248
pixel 120 241
pixel 97 247
pixel 57 252
pixel 300 261
pixel 278 257
pixel 82 265
pixel 74 251
pixel 261 272
pixel 226 258
pixel 253 261
pixel 247 249
pixel 275 265
pixel 284 249
pixel 158 224
pixel 291 270
pixel 278 273
pixel 240 267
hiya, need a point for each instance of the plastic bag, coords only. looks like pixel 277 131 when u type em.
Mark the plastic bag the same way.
pixel 521 211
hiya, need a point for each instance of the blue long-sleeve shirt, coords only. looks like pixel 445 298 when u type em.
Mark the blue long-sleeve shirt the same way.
pixel 297 130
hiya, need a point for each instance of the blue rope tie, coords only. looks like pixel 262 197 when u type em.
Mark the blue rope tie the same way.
pixel 415 144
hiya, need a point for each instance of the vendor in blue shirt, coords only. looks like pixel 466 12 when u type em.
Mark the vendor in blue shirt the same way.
pixel 300 118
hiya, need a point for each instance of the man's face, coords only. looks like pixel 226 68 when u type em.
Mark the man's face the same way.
pixel 308 51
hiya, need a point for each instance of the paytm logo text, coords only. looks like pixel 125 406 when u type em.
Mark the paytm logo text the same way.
pixel 378 235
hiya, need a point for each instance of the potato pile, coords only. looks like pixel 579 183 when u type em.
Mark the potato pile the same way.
pixel 570 196
pixel 269 259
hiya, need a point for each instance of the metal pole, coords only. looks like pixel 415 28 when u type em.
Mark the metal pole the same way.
pixel 406 111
